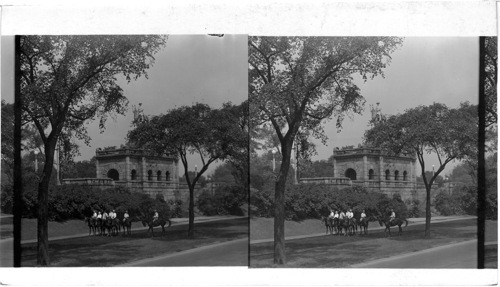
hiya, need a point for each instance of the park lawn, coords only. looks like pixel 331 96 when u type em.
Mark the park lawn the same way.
pixel 56 229
pixel 341 252
pixel 97 251
pixel 263 228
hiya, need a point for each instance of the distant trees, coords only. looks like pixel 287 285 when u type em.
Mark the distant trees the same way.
pixel 295 83
pixel 69 80
pixel 210 134
pixel 449 134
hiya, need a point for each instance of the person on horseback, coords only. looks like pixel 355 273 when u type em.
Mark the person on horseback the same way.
pixel 349 214
pixel 336 215
pixel 99 216
pixel 112 214
pixel 341 215
pixel 155 216
pixel 332 215
pixel 94 215
pixel 393 215
pixel 363 216
pixel 105 215
pixel 125 216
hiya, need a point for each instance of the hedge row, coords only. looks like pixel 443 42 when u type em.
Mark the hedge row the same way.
pixel 76 202
pixel 315 200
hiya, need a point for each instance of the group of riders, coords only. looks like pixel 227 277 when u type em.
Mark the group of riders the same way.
pixel 107 223
pixel 337 221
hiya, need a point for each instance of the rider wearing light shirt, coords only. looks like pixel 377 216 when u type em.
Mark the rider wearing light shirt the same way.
pixel 363 215
pixel 112 214
pixel 336 215
pixel 155 217
pixel 94 216
pixel 105 216
pixel 341 215
pixel 393 215
pixel 331 214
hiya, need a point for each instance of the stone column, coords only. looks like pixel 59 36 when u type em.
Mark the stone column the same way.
pixel 365 167
pixel 334 167
pixel 412 171
pixel 381 169
pixel 127 168
pixel 97 169
pixel 144 171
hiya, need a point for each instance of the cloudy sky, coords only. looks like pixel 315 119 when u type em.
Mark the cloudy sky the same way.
pixel 214 70
pixel 189 69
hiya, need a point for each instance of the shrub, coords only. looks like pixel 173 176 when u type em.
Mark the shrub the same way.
pixel 262 202
pixel 447 204
pixel 315 200
pixel 76 202
pixel 175 207
pixel 414 208
pixel 226 200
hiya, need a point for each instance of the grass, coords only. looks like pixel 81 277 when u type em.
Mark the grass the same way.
pixel 263 228
pixel 56 229
pixel 339 251
pixel 100 251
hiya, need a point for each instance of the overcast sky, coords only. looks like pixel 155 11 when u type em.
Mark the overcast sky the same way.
pixel 214 70
pixel 194 68
pixel 422 71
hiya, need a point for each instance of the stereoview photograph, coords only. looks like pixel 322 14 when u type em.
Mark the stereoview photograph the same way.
pixel 133 150
pixel 364 151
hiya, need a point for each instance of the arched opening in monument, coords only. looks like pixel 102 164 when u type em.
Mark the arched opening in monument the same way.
pixel 113 174
pixel 158 175
pixel 350 173
pixel 371 174
pixel 405 175
pixel 396 175
pixel 150 175
pixel 387 174
pixel 167 176
pixel 133 174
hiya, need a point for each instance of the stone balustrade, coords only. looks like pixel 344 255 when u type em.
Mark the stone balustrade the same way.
pixel 327 180
pixel 90 181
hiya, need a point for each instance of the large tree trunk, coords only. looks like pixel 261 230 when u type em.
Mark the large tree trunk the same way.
pixel 191 212
pixel 279 207
pixel 43 202
pixel 427 212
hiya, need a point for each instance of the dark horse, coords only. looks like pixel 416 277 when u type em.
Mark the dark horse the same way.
pixel 159 222
pixel 127 226
pixel 92 223
pixel 113 226
pixel 388 223
pixel 329 224
pixel 349 226
pixel 363 225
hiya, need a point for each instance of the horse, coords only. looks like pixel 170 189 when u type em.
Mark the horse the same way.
pixel 328 224
pixel 159 222
pixel 127 226
pixel 113 226
pixel 349 226
pixel 92 224
pixel 363 226
pixel 388 223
